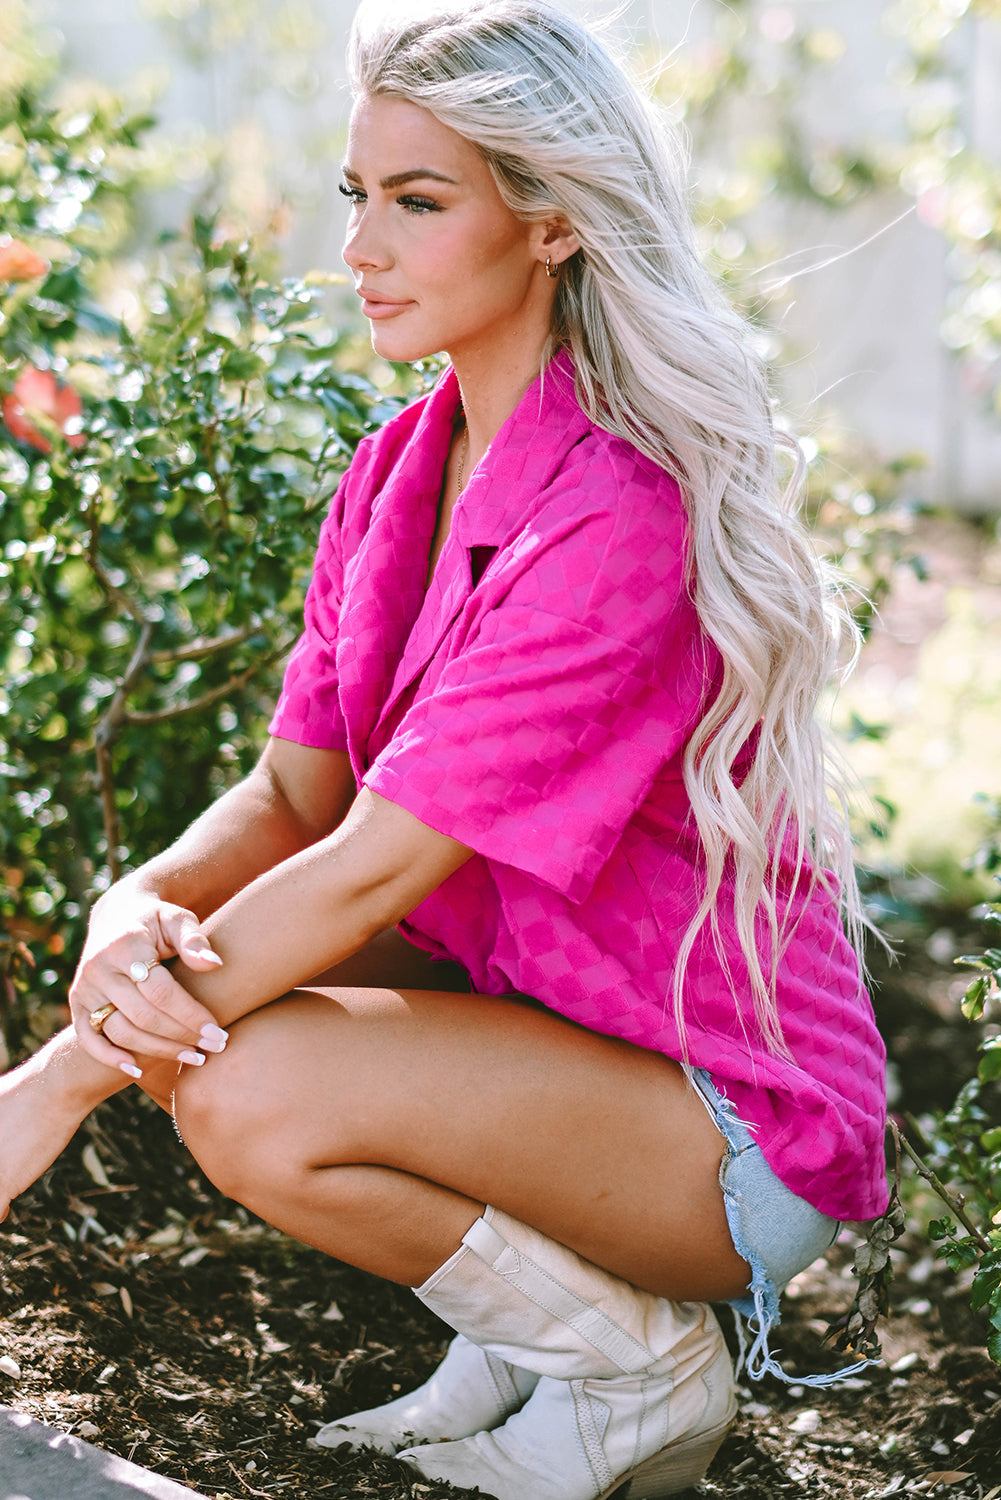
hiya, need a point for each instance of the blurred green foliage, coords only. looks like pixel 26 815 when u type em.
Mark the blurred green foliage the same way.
pixel 965 1147
pixel 957 188
pixel 161 489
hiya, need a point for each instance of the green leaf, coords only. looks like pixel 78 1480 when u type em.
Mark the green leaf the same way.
pixel 89 315
pixel 975 999
pixel 985 1287
pixel 242 365
pixel 958 1257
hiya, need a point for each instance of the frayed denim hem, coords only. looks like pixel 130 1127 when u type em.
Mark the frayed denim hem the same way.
pixel 774 1230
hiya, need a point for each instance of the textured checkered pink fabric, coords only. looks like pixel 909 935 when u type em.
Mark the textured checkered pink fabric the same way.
pixel 539 716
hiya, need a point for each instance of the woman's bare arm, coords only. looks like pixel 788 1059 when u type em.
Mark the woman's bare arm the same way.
pixel 303 916
pixel 294 797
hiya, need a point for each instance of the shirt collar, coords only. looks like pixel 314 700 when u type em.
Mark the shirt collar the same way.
pixel 521 461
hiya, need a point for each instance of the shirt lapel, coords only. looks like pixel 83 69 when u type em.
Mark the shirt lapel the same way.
pixel 502 492
pixel 384 579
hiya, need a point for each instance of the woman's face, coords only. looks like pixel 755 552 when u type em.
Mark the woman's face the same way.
pixel 439 260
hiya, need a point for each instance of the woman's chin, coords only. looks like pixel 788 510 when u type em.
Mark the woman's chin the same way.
pixel 398 349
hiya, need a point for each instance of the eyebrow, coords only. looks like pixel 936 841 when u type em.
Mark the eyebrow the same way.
pixel 399 179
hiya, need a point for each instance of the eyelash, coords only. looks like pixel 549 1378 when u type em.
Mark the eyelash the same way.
pixel 412 202
pixel 415 204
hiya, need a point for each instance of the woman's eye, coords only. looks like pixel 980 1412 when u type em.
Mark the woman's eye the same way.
pixel 417 205
pixel 355 194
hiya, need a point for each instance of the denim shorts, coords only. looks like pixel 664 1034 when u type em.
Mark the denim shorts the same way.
pixel 776 1232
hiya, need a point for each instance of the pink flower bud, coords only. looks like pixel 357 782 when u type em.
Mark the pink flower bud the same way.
pixel 18 262
pixel 39 393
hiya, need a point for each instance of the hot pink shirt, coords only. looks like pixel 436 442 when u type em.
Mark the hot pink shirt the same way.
pixel 534 704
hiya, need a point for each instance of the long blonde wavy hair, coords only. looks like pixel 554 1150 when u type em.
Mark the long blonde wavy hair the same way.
pixel 665 362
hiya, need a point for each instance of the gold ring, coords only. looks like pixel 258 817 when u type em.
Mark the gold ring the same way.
pixel 98 1017
pixel 140 971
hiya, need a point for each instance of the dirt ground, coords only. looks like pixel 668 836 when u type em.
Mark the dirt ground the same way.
pixel 145 1312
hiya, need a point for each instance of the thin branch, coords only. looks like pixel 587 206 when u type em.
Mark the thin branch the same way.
pixel 104 737
pixel 161 715
pixel 117 595
pixel 221 487
pixel 205 646
pixel 950 1201
pixel 895 1132
pixel 109 809
pixel 106 731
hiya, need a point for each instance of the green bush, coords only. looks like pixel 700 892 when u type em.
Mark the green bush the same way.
pixel 955 1153
pixel 969 1136
pixel 161 490
pixel 962 1158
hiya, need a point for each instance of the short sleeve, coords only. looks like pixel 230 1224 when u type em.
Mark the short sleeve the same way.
pixel 308 711
pixel 543 733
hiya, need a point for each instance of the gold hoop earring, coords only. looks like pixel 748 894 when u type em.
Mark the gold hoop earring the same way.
pixel 551 270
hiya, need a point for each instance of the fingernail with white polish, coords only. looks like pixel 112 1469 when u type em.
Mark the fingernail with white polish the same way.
pixel 131 1070
pixel 212 957
pixel 194 1058
pixel 213 1038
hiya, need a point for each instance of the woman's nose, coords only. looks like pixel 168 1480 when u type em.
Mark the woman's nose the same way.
pixel 363 247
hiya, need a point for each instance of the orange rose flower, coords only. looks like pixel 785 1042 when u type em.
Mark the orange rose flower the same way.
pixel 18 262
pixel 39 393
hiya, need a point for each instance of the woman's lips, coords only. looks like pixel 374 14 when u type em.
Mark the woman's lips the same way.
pixel 374 306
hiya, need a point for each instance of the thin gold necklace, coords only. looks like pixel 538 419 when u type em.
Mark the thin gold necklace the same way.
pixel 463 455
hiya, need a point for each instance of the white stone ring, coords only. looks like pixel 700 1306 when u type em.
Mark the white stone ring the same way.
pixel 140 971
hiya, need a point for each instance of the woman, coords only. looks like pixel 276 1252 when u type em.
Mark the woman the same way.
pixel 548 735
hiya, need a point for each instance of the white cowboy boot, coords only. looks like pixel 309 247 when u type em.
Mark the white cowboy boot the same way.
pixel 632 1386
pixel 470 1391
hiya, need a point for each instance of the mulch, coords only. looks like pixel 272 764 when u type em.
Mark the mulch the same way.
pixel 145 1312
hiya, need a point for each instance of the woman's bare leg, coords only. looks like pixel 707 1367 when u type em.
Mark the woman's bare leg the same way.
pixel 375 1123
pixel 46 1098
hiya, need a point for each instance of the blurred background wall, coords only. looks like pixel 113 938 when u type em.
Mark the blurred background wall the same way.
pixel 845 145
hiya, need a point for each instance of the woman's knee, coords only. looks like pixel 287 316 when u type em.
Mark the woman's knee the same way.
pixel 207 1110
pixel 229 1118
pixel 281 1099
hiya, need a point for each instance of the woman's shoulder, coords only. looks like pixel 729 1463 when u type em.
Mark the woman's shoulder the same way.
pixel 389 440
pixel 407 442
pixel 606 481
pixel 597 465
pixel 605 459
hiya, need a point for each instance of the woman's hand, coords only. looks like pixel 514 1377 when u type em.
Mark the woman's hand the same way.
pixel 131 934
pixel 293 797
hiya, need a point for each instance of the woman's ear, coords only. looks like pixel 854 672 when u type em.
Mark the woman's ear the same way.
pixel 557 242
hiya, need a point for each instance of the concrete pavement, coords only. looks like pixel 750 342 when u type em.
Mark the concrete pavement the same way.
pixel 40 1463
